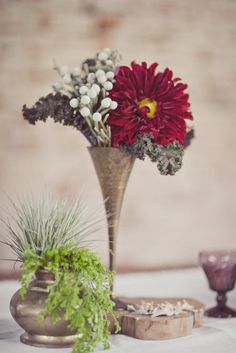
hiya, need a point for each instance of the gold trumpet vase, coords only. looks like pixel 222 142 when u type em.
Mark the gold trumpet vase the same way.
pixel 25 311
pixel 113 168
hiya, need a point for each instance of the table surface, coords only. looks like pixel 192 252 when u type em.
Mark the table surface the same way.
pixel 216 335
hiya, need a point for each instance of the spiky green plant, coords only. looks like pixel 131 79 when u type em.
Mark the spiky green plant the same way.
pixel 52 236
pixel 46 224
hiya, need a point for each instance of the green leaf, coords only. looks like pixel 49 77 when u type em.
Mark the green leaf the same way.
pixel 81 292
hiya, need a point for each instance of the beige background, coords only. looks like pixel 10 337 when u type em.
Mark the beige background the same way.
pixel 165 220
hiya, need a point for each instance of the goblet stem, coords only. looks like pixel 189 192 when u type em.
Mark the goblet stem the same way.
pixel 221 299
pixel 221 310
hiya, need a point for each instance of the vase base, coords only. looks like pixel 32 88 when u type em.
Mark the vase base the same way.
pixel 48 341
pixel 223 313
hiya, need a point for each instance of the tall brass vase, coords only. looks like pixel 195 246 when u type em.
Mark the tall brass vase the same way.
pixel 113 168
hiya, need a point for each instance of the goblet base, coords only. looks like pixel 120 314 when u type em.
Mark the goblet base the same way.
pixel 223 313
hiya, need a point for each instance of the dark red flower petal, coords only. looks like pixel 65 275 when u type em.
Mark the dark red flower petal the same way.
pixel 129 119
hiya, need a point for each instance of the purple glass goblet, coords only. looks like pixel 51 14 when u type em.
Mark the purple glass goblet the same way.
pixel 220 269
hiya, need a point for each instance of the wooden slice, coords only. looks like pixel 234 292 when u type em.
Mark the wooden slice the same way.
pixel 163 327
pixel 158 328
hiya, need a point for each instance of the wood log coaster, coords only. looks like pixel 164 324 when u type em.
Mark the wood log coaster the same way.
pixel 145 327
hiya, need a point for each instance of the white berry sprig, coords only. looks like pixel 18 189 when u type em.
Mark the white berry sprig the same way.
pixel 89 88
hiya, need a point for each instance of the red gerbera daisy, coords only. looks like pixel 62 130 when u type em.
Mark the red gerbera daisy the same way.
pixel 148 103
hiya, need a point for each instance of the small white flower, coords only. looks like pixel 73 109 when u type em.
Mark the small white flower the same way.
pixel 99 73
pixel 97 117
pixel 76 71
pixel 102 79
pixel 107 50
pixel 85 99
pixel 67 78
pixel 91 77
pixel 57 86
pixel 83 90
pixel 106 102
pixel 109 62
pixel 103 56
pixel 74 102
pixel 63 70
pixel 96 88
pixel 108 85
pixel 92 93
pixel 110 75
pixel 113 105
pixel 85 112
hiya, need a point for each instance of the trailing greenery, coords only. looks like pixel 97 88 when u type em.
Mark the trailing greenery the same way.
pixel 49 225
pixel 82 290
pixel 168 157
pixel 51 236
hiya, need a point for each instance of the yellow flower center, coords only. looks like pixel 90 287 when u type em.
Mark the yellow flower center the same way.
pixel 151 105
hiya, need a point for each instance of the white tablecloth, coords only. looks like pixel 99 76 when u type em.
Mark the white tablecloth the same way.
pixel 216 336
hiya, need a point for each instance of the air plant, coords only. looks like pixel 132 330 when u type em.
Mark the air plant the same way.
pixel 52 236
pixel 46 225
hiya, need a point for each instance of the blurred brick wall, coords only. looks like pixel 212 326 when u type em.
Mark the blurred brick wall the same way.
pixel 165 220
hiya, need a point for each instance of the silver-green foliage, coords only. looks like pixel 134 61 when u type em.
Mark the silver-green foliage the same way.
pixel 169 157
pixel 47 224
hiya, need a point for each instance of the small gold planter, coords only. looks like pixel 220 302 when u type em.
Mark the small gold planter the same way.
pixel 40 333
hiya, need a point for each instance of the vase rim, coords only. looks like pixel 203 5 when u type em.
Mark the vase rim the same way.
pixel 217 252
pixel 45 275
pixel 103 147
pixel 110 150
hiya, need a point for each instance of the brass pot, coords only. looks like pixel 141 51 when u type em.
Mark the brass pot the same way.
pixel 40 333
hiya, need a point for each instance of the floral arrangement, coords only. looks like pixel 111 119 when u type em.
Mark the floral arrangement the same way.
pixel 134 108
